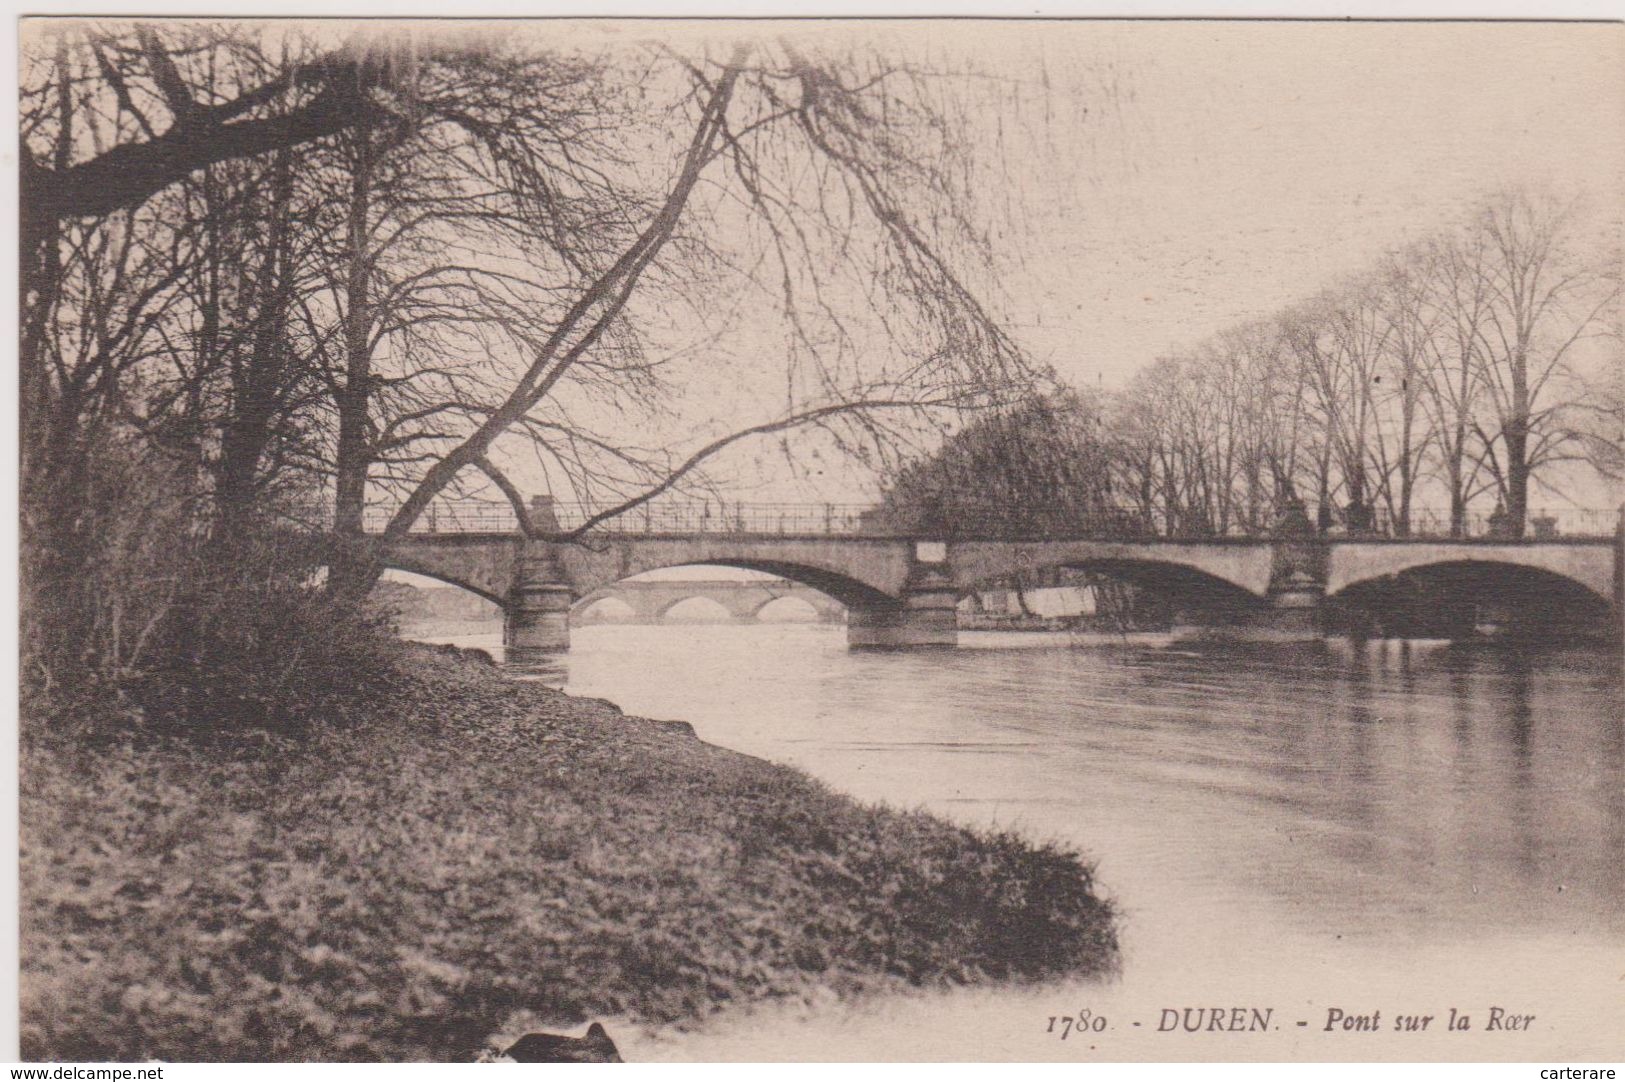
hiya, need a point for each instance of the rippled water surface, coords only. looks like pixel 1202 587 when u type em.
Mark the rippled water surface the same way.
pixel 1403 827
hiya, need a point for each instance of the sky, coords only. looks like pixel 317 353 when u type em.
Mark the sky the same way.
pixel 1161 181
pixel 1147 184
pixel 1243 166
pixel 1150 184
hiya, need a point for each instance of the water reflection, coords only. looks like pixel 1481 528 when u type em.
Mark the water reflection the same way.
pixel 1361 806
pixel 1392 784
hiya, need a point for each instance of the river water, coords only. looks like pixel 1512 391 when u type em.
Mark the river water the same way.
pixel 1396 827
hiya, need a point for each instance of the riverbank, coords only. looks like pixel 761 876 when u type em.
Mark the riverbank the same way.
pixel 476 852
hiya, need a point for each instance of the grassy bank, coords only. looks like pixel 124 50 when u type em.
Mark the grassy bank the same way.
pixel 400 887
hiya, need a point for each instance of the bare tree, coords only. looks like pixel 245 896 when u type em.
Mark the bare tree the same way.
pixel 1544 298
pixel 1401 436
pixel 93 101
pixel 1600 422
pixel 519 227
pixel 830 167
pixel 425 302
pixel 1340 339
pixel 1457 297
pixel 156 78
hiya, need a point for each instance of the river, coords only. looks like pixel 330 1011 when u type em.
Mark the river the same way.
pixel 1403 827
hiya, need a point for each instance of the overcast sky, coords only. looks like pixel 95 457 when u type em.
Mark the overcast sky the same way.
pixel 1152 183
pixel 1177 178
pixel 1157 182
pixel 1243 166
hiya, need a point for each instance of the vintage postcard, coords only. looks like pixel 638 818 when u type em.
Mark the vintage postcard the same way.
pixel 821 540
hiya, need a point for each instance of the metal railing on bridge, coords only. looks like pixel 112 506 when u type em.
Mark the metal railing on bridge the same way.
pixel 1012 523
pixel 688 517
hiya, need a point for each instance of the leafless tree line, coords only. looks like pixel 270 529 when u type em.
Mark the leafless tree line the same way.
pixel 261 267
pixel 1461 372
pixel 1448 382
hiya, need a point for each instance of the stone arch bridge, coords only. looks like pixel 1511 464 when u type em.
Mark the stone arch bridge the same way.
pixel 743 599
pixel 903 591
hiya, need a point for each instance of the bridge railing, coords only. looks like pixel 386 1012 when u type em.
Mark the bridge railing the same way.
pixel 687 517
pixel 1026 523
pixel 781 519
pixel 1542 523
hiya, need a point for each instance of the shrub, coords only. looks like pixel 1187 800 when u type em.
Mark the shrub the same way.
pixel 257 640
pixel 142 594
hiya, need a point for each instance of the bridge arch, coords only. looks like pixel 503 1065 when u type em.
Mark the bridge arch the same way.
pixel 1450 597
pixel 755 613
pixel 480 564
pixel 603 608
pixel 717 611
pixel 847 591
pixel 449 577
pixel 1234 573
pixel 649 600
pixel 1590 566
pixel 856 572
pixel 662 609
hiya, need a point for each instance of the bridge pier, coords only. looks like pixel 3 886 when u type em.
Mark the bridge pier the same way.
pixel 536 618
pixel 1297 593
pixel 1291 609
pixel 1293 615
pixel 926 615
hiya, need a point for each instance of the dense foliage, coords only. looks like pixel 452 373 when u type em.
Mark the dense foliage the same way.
pixel 1037 467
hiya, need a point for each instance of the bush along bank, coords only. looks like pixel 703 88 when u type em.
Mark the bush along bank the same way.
pixel 397 883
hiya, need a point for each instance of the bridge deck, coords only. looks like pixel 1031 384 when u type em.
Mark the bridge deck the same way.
pixel 681 519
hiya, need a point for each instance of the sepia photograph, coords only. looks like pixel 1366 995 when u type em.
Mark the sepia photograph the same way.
pixel 951 540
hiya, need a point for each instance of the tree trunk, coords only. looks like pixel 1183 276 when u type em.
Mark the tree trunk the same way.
pixel 1517 507
pixel 352 574
pixel 260 383
pixel 39 284
pixel 1458 497
pixel 1516 433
